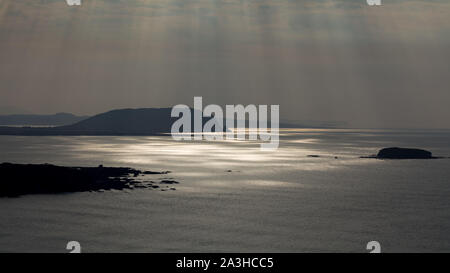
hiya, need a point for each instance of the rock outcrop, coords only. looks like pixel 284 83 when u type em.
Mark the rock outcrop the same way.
pixel 20 179
pixel 403 153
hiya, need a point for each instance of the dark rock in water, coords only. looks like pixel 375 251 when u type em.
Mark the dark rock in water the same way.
pixel 404 153
pixel 20 179
pixel 169 182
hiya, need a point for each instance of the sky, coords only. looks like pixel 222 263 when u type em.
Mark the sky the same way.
pixel 322 61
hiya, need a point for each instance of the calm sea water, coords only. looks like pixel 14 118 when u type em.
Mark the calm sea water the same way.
pixel 280 201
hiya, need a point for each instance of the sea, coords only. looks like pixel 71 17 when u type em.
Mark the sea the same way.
pixel 234 197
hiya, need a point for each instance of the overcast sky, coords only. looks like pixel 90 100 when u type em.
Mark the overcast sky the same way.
pixel 320 60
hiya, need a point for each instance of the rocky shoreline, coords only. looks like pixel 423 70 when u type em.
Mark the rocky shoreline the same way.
pixel 21 179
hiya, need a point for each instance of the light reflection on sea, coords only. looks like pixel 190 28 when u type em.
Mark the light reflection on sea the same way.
pixel 234 197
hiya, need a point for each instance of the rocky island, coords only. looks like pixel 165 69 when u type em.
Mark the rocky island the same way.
pixel 20 179
pixel 402 153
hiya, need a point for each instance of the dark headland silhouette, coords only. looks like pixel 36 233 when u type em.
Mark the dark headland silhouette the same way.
pixel 58 119
pixel 20 179
pixel 146 121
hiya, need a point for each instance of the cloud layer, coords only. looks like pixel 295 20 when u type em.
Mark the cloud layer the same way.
pixel 320 60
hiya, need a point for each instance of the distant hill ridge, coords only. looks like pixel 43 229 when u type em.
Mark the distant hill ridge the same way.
pixel 41 120
pixel 126 121
pixel 144 121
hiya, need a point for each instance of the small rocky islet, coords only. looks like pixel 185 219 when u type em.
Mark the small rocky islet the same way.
pixel 21 179
pixel 402 153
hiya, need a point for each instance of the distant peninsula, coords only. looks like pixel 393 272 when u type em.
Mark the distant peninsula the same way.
pixel 58 119
pixel 145 121
pixel 121 122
